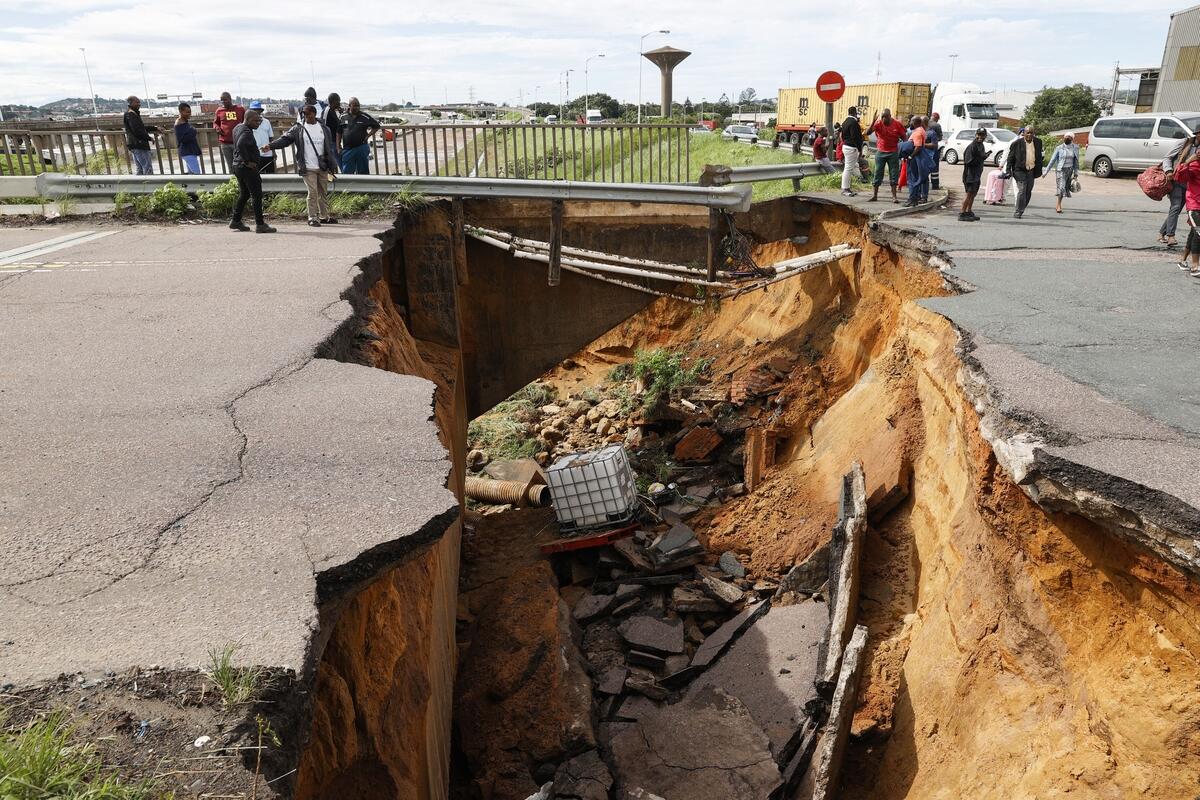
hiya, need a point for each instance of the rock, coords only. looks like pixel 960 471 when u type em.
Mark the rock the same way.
pixel 544 793
pixel 735 490
pixel 550 410
pixel 577 408
pixel 702 491
pixel 550 435
pixel 520 469
pixel 613 681
pixel 677 537
pixel 809 575
pixel 594 414
pixel 692 601
pixel 638 658
pixel 610 408
pixel 722 591
pixel 201 741
pixel 593 607
pixel 692 632
pixel 584 777
pixel 652 636
pixel 645 686
pixel 726 633
pixel 697 444
pixel 638 793
pixel 542 458
pixel 633 437
pixel 674 664
pixel 604 427
pixel 656 488
pixel 706 746
pixel 477 460
pixel 731 566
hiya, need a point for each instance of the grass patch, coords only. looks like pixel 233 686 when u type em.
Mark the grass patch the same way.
pixel 503 431
pixel 285 205
pixel 348 204
pixel 662 372
pixel 39 762
pixel 167 202
pixel 237 685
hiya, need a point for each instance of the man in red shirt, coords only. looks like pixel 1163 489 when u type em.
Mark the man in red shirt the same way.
pixel 888 135
pixel 225 119
pixel 820 151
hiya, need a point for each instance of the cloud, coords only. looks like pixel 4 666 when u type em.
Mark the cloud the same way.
pixel 450 48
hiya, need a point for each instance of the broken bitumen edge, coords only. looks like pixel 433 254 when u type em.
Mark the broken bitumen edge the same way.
pixel 844 560
pixel 830 752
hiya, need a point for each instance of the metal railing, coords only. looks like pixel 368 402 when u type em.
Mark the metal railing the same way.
pixel 606 153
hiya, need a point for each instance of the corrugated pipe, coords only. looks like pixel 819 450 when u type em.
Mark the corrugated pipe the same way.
pixel 512 492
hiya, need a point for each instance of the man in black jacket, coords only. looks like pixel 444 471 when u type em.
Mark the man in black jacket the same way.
pixel 1025 164
pixel 137 137
pixel 973 162
pixel 246 158
pixel 852 145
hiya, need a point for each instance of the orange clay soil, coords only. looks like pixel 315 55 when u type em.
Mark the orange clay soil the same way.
pixel 1013 653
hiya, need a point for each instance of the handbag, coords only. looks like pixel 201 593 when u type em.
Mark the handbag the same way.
pixel 1074 185
pixel 1155 183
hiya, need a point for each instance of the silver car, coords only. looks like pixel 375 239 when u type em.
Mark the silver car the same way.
pixel 1130 144
pixel 996 144
pixel 740 133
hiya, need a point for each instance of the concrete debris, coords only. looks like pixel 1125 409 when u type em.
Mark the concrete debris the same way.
pixel 731 566
pixel 827 760
pixel 612 681
pixel 584 777
pixel 592 607
pixel 697 444
pixel 644 684
pixel 809 575
pixel 691 601
pixel 720 590
pixel 844 562
pixel 638 793
pixel 544 793
pixel 719 639
pixel 525 470
pixel 652 636
pixel 705 746
pixel 678 537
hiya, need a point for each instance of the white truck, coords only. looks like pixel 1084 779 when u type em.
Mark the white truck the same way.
pixel 964 106
pixel 592 116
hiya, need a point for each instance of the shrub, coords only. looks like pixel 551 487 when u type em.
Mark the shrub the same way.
pixel 220 201
pixel 503 431
pixel 662 372
pixel 345 204
pixel 286 205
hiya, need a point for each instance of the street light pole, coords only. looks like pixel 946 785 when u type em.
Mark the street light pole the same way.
pixel 585 83
pixel 953 59
pixel 145 85
pixel 641 47
pixel 566 95
pixel 95 110
pixel 789 79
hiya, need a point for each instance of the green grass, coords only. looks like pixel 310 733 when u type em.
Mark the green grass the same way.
pixel 237 685
pixel 39 762
pixel 502 430
pixel 663 373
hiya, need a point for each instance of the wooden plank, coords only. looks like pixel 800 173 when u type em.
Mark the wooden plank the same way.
pixel 588 541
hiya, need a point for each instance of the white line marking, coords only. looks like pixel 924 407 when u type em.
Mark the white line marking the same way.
pixel 37 245
pixel 44 248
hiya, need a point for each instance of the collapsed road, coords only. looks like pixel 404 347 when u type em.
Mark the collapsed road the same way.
pixel 265 453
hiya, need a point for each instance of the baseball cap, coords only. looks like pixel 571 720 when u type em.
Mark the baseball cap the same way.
pixel 256 106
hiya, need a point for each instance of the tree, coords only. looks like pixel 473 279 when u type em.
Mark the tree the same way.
pixel 687 105
pixel 1068 107
pixel 748 95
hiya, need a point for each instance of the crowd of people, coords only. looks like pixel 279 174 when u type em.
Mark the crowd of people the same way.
pixel 327 140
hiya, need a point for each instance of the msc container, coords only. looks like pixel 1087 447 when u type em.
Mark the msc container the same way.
pixel 593 489
pixel 798 108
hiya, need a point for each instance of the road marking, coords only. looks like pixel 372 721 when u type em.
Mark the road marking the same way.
pixel 29 251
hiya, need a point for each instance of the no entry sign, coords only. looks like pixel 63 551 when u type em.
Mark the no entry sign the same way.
pixel 831 86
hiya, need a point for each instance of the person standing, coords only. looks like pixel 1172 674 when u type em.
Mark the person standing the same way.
pixel 1025 163
pixel 332 118
pixel 137 137
pixel 936 136
pixel 852 143
pixel 916 162
pixel 888 134
pixel 310 99
pixel 227 117
pixel 1187 173
pixel 186 141
pixel 1166 233
pixel 932 161
pixel 245 161
pixel 316 161
pixel 820 148
pixel 974 160
pixel 1065 163
pixel 263 134
pixel 355 132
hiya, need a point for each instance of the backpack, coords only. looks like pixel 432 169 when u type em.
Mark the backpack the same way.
pixel 1155 183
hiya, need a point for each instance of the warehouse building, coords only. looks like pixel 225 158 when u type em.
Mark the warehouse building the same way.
pixel 1179 79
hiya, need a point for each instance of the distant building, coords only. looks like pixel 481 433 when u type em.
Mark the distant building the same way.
pixel 1179 79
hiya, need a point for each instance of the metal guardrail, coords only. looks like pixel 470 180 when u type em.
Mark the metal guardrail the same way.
pixel 614 153
pixel 723 176
pixel 732 198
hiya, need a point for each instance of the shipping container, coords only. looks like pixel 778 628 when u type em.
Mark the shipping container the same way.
pixel 799 108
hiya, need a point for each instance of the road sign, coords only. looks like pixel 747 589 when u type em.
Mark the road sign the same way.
pixel 831 86
pixel 197 95
pixel 162 97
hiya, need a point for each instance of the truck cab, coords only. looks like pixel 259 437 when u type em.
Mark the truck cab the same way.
pixel 593 117
pixel 964 106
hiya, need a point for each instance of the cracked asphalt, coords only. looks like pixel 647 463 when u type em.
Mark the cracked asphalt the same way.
pixel 1085 326
pixel 179 468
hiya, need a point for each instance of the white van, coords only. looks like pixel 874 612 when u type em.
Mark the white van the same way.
pixel 964 106
pixel 1130 144
pixel 551 119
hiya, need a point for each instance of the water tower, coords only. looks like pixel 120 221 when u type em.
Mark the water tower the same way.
pixel 665 58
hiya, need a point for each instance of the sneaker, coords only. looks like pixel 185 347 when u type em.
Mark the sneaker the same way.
pixel 974 216
pixel 1183 266
pixel 965 217
pixel 1195 272
pixel 330 221
pixel 848 193
pixel 238 225
pixel 263 228
pixel 312 223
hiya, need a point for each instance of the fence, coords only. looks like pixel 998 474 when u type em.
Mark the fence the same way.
pixel 606 153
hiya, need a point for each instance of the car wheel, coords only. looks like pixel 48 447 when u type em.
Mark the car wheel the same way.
pixel 794 138
pixel 951 156
pixel 753 140
pixel 1102 167
pixel 996 161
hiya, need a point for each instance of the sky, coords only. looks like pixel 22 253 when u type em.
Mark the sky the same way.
pixel 511 49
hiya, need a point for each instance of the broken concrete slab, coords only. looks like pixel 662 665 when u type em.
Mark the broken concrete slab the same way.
pixel 705 746
pixel 678 537
pixel 809 575
pixel 712 647
pixel 730 565
pixel 771 669
pixel 592 607
pixel 646 686
pixel 721 591
pixel 651 661
pixel 687 600
pixel 612 681
pixel 831 750
pixel 652 635
pixel 584 777
pixel 845 550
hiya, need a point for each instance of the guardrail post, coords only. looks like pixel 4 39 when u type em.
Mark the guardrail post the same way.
pixel 556 229
pixel 714 242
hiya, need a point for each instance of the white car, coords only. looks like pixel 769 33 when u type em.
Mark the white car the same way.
pixel 740 133
pixel 996 144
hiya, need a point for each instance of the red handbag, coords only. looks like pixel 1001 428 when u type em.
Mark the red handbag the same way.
pixel 1155 182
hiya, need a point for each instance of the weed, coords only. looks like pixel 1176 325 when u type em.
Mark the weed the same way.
pixel 168 201
pixel 346 204
pixel 103 162
pixel 40 761
pixel 122 202
pixel 219 202
pixel 663 373
pixel 286 205
pixel 503 431
pixel 409 199
pixel 67 205
pixel 237 684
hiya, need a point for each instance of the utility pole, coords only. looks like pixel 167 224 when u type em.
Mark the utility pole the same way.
pixel 585 82
pixel 789 83
pixel 878 61
pixel 641 47
pixel 95 110
pixel 953 58
pixel 565 96
pixel 145 85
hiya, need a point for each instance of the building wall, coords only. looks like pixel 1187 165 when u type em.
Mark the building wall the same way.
pixel 1179 80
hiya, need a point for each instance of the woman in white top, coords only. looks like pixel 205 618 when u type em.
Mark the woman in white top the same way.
pixel 316 162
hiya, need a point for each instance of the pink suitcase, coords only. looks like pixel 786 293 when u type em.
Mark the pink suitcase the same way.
pixel 993 194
